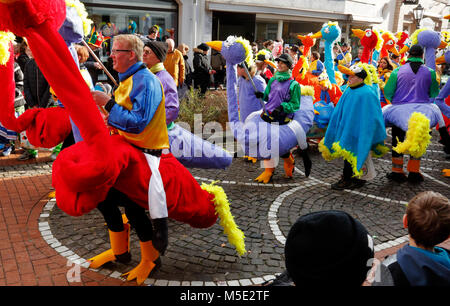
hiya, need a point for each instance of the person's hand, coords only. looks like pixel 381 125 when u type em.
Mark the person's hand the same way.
pixel 212 72
pixel 100 97
pixel 278 112
pixel 259 94
pixel 97 65
pixel 160 237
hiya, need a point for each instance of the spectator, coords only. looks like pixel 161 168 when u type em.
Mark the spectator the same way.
pixel 316 66
pixel 293 52
pixel 254 48
pixel 91 64
pixel 326 248
pixel 384 69
pixel 153 33
pixel 37 95
pixel 182 90
pixel 218 64
pixel 358 58
pixel 24 54
pixel 421 262
pixel 202 68
pixel 174 63
pixel 154 55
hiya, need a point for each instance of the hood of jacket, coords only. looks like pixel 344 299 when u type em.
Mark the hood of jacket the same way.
pixel 424 268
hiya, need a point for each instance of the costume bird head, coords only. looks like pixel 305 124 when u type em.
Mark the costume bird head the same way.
pixel 329 32
pixel 401 36
pixel 263 55
pixel 361 70
pixel 444 58
pixel 308 42
pixel 77 24
pixel 324 80
pixel 234 49
pixel 370 39
pixel 54 11
pixel 389 42
pixel 428 39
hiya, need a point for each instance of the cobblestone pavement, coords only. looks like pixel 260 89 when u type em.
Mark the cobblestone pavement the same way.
pixel 264 213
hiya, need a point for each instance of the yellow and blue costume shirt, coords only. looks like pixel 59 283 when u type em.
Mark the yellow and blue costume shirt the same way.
pixel 138 109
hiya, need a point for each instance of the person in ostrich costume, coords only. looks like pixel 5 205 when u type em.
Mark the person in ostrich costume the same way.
pixel 258 138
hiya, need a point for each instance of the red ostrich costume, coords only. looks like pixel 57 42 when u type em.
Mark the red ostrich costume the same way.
pixel 369 40
pixel 389 44
pixel 300 71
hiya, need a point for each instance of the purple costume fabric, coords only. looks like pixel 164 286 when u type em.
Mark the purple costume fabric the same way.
pixel 248 102
pixel 279 93
pixel 171 95
pixel 412 88
pixel 412 94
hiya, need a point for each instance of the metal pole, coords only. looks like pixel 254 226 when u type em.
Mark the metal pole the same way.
pixel 100 62
pixel 254 86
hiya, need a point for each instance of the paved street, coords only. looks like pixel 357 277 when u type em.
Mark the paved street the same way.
pixel 37 239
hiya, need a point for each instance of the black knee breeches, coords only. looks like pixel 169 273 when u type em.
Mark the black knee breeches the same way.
pixel 137 216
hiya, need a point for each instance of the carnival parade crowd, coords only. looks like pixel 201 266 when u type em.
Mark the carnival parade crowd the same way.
pixel 340 99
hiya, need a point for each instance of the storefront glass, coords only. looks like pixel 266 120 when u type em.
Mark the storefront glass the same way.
pixel 119 17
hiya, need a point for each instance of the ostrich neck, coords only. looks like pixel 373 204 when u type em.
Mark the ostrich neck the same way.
pixel 329 62
pixel 430 57
pixel 384 53
pixel 233 113
pixel 366 55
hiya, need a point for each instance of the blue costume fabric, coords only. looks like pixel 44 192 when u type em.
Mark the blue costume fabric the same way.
pixel 356 127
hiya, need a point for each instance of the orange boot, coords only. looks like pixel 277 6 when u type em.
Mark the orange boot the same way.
pixel 289 166
pixel 148 255
pixel 120 249
pixel 413 168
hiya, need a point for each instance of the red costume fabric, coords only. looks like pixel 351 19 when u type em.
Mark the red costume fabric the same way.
pixel 83 173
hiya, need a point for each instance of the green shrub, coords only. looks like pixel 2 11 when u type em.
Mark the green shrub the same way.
pixel 212 107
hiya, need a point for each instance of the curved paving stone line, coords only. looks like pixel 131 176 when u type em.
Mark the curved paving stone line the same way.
pixel 273 221
pixel 250 269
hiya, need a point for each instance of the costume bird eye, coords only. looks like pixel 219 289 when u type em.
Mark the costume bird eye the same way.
pixel 390 43
pixel 369 33
pixel 356 68
pixel 322 77
pixel 327 30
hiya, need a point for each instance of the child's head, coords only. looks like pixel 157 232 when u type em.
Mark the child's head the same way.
pixel 428 219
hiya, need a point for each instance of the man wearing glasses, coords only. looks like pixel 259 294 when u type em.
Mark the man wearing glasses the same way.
pixel 137 112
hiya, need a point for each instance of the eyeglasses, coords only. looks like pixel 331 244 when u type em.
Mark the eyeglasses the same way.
pixel 119 50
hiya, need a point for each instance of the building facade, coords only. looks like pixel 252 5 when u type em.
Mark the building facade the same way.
pixel 197 21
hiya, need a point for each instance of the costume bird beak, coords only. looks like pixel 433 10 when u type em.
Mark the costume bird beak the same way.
pixel 317 35
pixel 345 70
pixel 394 50
pixel 447 17
pixel 404 49
pixel 358 33
pixel 301 37
pixel 268 62
pixel 442 45
pixel 440 60
pixel 215 44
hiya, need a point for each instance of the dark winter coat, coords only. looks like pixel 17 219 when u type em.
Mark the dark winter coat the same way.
pixel 202 67
pixel 36 87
